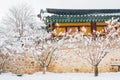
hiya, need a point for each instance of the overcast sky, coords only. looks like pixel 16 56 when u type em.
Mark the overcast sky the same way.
pixel 69 4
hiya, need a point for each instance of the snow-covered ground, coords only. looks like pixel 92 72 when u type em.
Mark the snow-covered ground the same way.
pixel 61 76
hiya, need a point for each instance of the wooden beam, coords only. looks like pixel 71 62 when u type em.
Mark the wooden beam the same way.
pixel 80 24
pixel 72 24
pixel 101 23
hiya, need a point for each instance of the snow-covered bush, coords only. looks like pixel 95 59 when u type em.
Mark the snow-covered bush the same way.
pixel 21 31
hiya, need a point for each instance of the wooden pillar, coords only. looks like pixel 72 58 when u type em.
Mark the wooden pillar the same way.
pixel 52 27
pixel 66 29
pixel 78 28
pixel 93 26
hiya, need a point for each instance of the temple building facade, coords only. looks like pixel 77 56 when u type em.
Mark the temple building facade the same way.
pixel 64 20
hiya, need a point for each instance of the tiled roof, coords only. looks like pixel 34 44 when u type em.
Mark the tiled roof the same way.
pixel 81 11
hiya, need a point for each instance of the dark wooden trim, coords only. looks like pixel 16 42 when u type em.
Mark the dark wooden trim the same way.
pixel 93 26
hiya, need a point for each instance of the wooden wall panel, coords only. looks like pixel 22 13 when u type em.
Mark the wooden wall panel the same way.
pixel 60 29
pixel 99 29
pixel 72 29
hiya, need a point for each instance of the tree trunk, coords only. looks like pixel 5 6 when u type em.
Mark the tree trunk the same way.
pixel 96 70
pixel 0 71
pixel 44 70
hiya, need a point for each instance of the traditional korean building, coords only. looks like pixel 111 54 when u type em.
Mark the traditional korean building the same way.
pixel 64 20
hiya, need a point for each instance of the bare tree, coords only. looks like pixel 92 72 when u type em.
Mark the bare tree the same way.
pixel 20 30
pixel 19 17
pixel 44 52
pixel 94 49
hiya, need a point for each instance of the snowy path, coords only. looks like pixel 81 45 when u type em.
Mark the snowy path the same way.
pixel 61 76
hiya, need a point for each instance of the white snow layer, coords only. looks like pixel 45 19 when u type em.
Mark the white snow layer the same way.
pixel 61 76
